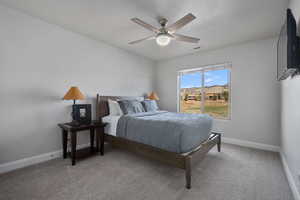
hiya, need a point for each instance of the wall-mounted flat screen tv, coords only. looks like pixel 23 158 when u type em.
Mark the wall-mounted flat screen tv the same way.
pixel 288 54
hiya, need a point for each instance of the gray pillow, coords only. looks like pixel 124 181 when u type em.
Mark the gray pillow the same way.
pixel 131 106
pixel 132 98
pixel 150 105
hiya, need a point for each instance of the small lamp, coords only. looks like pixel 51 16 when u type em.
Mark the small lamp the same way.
pixel 153 96
pixel 74 94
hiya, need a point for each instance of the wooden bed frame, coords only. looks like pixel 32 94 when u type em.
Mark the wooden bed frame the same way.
pixel 179 160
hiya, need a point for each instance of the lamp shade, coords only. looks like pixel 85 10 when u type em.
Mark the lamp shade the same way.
pixel 74 94
pixel 153 96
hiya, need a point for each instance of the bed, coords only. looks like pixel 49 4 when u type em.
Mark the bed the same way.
pixel 160 135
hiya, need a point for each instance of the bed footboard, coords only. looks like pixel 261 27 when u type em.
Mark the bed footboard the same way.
pixel 198 154
pixel 183 161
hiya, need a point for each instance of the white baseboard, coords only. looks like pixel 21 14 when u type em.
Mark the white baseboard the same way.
pixel 10 166
pixel 254 145
pixel 290 177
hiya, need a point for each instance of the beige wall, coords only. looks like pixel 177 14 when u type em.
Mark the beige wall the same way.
pixel 38 64
pixel 255 91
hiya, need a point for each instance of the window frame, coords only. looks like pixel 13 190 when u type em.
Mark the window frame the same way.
pixel 203 69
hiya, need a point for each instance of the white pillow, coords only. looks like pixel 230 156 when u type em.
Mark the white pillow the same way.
pixel 114 108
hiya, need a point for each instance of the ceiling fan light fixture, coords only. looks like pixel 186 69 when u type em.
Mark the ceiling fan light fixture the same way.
pixel 165 34
pixel 163 39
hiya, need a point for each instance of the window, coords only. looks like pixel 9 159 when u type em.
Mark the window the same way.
pixel 205 90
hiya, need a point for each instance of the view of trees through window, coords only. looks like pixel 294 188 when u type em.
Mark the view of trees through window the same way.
pixel 205 91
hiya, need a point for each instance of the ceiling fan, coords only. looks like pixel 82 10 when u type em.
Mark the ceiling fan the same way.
pixel 164 34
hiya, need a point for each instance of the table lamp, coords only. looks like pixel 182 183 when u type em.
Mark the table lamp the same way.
pixel 153 96
pixel 74 94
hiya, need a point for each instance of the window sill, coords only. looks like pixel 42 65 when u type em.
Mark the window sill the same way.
pixel 225 120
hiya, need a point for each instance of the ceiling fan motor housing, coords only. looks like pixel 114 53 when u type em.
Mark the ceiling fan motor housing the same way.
pixel 163 22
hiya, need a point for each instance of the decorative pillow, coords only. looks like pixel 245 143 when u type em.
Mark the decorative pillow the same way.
pixel 150 105
pixel 131 106
pixel 114 108
pixel 132 98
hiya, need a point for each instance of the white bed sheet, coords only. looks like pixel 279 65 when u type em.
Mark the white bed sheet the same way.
pixel 111 127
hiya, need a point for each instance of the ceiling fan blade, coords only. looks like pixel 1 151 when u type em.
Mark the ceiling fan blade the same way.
pixel 180 23
pixel 141 40
pixel 145 25
pixel 185 38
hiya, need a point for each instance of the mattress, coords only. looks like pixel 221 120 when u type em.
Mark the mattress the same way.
pixel 174 132
pixel 112 122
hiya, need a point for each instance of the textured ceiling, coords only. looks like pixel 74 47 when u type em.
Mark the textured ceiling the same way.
pixel 219 22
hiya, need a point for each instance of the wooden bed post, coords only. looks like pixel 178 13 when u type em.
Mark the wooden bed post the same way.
pixel 219 142
pixel 97 107
pixel 188 172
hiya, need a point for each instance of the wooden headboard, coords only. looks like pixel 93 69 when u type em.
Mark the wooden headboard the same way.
pixel 102 109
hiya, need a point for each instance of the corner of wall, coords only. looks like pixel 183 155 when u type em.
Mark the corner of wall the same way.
pixel 155 76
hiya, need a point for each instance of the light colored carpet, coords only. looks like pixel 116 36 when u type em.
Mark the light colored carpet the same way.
pixel 236 173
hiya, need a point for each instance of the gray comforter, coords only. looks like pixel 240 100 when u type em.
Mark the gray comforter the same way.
pixel 175 132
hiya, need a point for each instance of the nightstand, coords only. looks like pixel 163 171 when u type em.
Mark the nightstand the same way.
pixel 73 129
